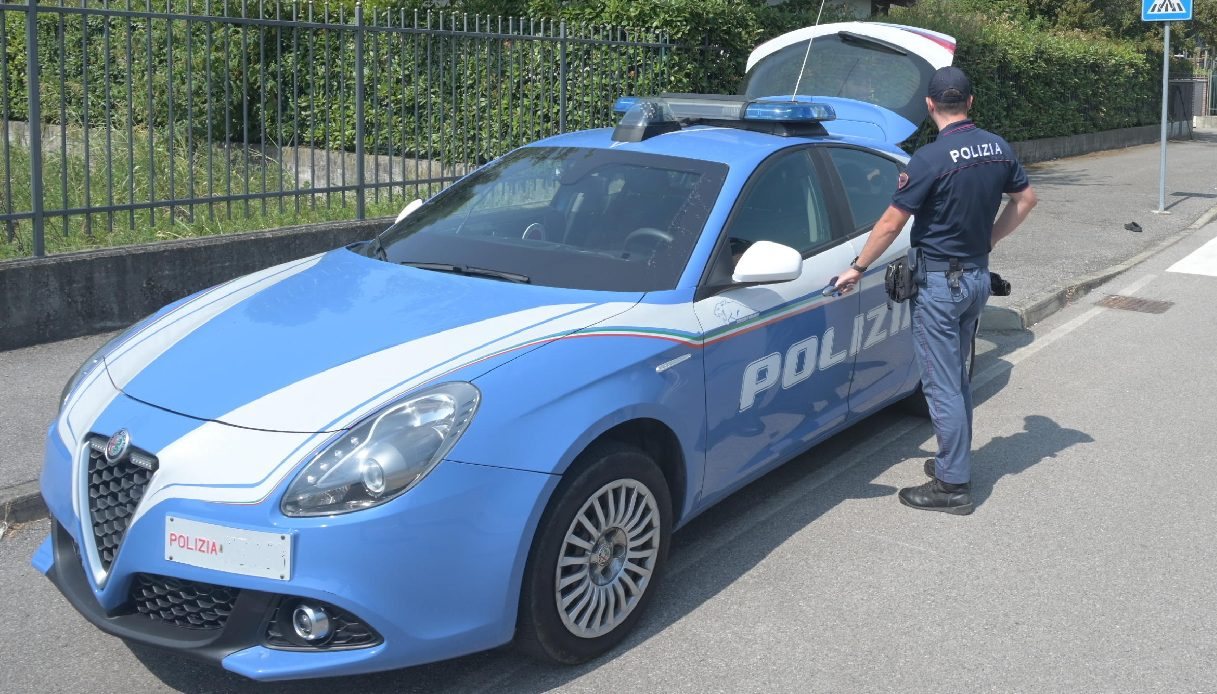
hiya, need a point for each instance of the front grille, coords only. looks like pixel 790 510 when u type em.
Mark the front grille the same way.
pixel 180 603
pixel 348 630
pixel 115 489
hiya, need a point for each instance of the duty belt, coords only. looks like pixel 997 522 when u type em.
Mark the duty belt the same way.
pixel 974 263
pixel 954 267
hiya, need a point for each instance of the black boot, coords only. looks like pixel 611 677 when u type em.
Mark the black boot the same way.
pixel 937 495
pixel 929 468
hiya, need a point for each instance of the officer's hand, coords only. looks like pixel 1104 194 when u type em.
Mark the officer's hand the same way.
pixel 847 280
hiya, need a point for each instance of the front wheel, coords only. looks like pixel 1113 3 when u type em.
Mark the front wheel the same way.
pixel 600 547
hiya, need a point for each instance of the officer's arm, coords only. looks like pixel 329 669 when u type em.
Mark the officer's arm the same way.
pixel 885 232
pixel 1016 211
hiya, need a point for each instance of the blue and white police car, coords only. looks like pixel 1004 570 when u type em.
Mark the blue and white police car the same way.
pixel 483 425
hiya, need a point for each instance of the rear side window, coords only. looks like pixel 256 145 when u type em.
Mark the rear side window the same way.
pixel 869 181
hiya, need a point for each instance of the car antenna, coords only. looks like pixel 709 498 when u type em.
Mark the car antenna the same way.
pixel 794 96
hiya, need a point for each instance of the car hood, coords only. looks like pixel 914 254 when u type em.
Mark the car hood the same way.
pixel 316 344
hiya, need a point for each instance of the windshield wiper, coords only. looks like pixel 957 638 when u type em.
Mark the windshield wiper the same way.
pixel 470 270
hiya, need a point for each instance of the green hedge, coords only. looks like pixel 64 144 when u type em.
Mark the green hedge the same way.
pixel 1032 83
pixel 449 96
pixel 297 87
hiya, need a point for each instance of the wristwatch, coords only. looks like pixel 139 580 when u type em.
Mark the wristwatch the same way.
pixel 853 265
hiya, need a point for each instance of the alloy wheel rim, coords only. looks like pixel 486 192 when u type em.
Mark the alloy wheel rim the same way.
pixel 607 558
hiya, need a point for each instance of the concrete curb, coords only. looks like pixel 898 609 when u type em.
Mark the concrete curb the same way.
pixel 23 502
pixel 1026 313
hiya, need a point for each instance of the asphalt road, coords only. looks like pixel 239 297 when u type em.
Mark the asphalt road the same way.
pixel 1087 567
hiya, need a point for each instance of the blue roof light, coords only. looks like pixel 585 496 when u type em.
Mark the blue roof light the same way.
pixel 650 116
pixel 789 112
pixel 624 104
pixel 724 109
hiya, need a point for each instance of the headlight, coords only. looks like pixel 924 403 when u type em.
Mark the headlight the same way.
pixel 384 455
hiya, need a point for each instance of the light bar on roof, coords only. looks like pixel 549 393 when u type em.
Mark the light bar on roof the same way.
pixel 788 111
pixel 644 118
pixel 699 107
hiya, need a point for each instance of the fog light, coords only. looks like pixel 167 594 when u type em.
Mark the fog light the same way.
pixel 311 623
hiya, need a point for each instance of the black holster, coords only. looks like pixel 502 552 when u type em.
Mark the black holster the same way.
pixel 901 278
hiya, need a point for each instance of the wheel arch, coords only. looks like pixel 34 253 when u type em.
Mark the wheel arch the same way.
pixel 661 443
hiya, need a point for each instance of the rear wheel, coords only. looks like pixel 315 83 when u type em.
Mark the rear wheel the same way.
pixel 600 547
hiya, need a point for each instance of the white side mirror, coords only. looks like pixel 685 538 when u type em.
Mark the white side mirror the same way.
pixel 408 210
pixel 766 261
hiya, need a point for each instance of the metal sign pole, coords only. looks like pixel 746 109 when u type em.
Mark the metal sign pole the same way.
pixel 1166 67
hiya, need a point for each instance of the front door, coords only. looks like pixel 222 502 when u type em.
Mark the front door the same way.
pixel 778 357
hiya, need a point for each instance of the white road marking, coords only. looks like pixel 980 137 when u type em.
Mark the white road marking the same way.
pixel 1202 261
pixel 881 538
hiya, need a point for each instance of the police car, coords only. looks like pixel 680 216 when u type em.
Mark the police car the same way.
pixel 484 425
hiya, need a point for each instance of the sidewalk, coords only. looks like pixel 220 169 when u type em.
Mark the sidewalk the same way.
pixel 1075 237
pixel 1073 240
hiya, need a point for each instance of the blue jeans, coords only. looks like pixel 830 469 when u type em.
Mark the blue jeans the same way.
pixel 944 321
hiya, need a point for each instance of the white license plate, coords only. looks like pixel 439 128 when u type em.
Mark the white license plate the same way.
pixel 246 552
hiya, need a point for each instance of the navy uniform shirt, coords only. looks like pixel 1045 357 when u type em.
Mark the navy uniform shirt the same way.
pixel 953 188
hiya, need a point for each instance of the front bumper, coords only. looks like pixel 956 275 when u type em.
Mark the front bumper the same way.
pixel 435 573
pixel 244 628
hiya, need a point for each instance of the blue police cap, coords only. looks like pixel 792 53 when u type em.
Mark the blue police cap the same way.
pixel 950 85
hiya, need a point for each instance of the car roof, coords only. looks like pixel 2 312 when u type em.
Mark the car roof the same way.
pixel 735 147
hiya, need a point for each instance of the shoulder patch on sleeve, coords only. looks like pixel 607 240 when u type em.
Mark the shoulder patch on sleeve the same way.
pixel 902 180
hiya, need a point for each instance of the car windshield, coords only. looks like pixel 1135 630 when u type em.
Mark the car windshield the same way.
pixel 565 217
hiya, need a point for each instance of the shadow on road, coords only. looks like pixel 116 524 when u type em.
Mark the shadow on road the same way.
pixel 708 556
pixel 1184 197
pixel 1041 439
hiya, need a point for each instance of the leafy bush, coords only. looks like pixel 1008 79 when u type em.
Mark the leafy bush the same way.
pixel 1032 82
pixel 440 94
pixel 480 97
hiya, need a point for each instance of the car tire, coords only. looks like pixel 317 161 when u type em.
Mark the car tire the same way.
pixel 591 572
pixel 915 403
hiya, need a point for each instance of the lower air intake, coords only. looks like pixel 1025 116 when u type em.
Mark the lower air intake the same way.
pixel 185 604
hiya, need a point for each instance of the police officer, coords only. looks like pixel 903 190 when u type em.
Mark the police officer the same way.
pixel 952 188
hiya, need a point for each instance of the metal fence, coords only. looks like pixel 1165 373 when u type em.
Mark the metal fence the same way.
pixel 126 123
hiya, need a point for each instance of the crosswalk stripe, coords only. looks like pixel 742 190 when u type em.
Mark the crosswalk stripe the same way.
pixel 1202 261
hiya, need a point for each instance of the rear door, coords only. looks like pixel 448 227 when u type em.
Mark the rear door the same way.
pixel 875 75
pixel 884 368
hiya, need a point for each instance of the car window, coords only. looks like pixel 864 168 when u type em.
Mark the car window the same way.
pixel 784 204
pixel 578 218
pixel 869 181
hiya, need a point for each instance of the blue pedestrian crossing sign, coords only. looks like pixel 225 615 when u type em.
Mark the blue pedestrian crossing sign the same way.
pixel 1166 10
